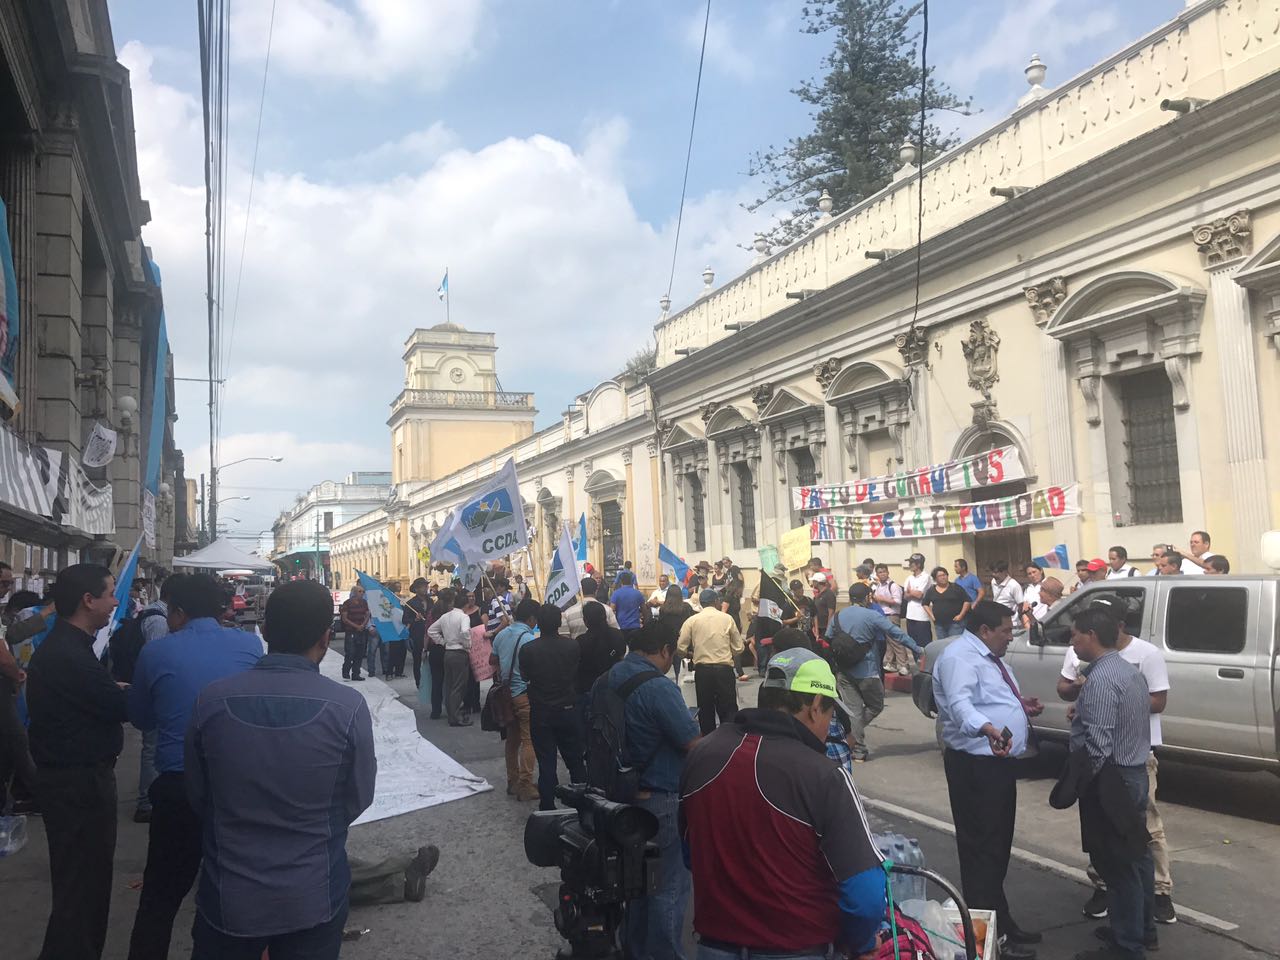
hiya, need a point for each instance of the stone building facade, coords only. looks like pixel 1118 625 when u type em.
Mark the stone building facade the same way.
pixel 1093 291
pixel 89 299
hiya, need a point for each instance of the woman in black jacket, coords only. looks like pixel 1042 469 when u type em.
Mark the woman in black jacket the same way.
pixel 675 610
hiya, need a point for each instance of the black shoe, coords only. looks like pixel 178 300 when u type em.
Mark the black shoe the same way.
pixel 1016 934
pixel 1097 906
pixel 1009 950
pixel 415 877
pixel 142 815
pixel 26 808
pixel 358 678
pixel 1151 941
pixel 460 723
pixel 1164 912
pixel 435 716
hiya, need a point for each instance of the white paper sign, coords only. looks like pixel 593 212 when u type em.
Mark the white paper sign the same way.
pixel 100 448
pixel 149 518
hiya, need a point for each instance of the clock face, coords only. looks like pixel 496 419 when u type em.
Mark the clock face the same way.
pixel 456 374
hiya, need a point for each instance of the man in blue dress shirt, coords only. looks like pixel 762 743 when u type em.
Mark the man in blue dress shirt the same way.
pixel 170 673
pixel 279 761
pixel 985 726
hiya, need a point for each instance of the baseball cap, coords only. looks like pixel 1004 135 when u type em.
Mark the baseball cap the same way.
pixel 914 558
pixel 708 598
pixel 779 569
pixel 1095 565
pixel 803 671
pixel 818 578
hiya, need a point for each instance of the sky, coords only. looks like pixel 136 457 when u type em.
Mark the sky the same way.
pixel 534 148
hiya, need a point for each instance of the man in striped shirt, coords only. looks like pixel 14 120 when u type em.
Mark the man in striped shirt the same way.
pixel 1112 724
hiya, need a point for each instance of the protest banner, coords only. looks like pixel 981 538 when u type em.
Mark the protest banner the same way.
pixel 492 525
pixel 948 519
pixel 562 581
pixel 794 548
pixel 1000 465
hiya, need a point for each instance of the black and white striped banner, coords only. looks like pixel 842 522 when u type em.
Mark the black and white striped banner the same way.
pixel 47 483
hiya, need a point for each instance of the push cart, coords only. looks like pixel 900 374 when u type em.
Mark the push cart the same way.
pixel 964 918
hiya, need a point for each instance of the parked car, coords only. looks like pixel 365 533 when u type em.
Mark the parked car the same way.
pixel 1221 640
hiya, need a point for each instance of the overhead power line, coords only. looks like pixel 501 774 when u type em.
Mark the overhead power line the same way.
pixel 688 156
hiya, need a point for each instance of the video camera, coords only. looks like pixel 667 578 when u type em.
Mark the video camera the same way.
pixel 606 856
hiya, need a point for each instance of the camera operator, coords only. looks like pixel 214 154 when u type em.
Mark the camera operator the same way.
pixel 659 732
pixel 812 880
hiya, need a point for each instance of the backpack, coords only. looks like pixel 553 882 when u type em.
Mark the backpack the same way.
pixel 912 941
pixel 847 651
pixel 125 645
pixel 607 769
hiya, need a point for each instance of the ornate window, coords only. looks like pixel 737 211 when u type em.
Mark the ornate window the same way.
pixel 1151 448
pixel 695 503
pixel 742 483
pixel 872 397
pixel 687 450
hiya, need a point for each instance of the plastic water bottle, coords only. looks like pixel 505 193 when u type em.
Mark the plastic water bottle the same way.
pixel 13 835
pixel 919 885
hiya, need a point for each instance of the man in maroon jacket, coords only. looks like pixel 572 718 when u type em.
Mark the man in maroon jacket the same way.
pixel 812 879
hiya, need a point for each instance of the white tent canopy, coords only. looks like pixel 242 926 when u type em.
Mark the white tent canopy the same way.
pixel 222 555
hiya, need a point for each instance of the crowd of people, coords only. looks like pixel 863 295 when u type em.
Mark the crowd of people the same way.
pixel 252 837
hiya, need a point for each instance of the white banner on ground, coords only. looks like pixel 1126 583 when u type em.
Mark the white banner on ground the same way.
pixel 413 773
pixel 562 584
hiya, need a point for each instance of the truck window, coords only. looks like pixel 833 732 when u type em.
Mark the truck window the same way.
pixel 1057 628
pixel 1207 620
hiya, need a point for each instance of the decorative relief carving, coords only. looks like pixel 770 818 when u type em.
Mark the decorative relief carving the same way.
pixel 587 468
pixel 1176 368
pixel 984 413
pixel 708 410
pixel 1224 240
pixel 626 456
pixel 980 355
pixel 826 371
pixel 651 447
pixel 761 395
pixel 1045 298
pixel 913 345
pixel 1092 407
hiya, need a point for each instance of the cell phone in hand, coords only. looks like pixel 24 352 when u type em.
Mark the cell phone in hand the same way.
pixel 1006 737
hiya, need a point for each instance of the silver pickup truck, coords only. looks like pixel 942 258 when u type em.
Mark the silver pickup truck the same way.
pixel 1221 640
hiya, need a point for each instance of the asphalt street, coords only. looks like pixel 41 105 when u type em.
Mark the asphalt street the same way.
pixel 486 901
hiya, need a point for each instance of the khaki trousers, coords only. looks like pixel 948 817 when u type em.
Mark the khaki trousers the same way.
pixel 520 759
pixel 1155 827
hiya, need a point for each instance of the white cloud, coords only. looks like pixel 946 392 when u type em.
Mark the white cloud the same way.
pixel 543 244
pixel 726 51
pixel 416 148
pixel 370 41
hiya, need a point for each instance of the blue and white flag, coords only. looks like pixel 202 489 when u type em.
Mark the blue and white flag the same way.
pixel 384 608
pixel 562 581
pixel 124 584
pixel 446 549
pixel 1055 559
pixel 492 525
pixel 580 545
pixel 672 561
pixel 442 291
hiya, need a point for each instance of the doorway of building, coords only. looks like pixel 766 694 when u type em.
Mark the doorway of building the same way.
pixel 1012 545
pixel 611 538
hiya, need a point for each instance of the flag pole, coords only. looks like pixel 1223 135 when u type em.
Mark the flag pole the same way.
pixel 447 318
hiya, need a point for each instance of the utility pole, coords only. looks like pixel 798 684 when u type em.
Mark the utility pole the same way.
pixel 319 569
pixel 204 514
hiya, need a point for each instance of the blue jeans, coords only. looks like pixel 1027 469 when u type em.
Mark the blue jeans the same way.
pixel 945 630
pixel 714 953
pixel 371 654
pixel 146 768
pixel 655 925
pixel 1131 883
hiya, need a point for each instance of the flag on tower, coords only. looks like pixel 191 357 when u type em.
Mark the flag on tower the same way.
pixel 442 291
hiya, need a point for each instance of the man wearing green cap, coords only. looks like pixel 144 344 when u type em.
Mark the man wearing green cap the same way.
pixel 766 775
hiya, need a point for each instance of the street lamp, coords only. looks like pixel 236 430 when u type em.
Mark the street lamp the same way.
pixel 229 499
pixel 212 518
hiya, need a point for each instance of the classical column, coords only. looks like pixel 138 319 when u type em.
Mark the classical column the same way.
pixel 914 348
pixel 629 515
pixel 1223 244
pixel 1055 377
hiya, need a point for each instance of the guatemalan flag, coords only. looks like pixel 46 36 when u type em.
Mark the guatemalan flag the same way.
pixel 384 608
pixel 442 291
pixel 580 543
pixel 1055 559
pixel 672 561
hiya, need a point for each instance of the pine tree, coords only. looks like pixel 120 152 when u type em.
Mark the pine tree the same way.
pixel 866 105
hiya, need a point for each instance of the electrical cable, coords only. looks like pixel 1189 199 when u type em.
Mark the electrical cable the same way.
pixel 248 207
pixel 924 87
pixel 684 186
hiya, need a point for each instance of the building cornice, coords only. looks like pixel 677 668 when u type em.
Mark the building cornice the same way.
pixel 1229 123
